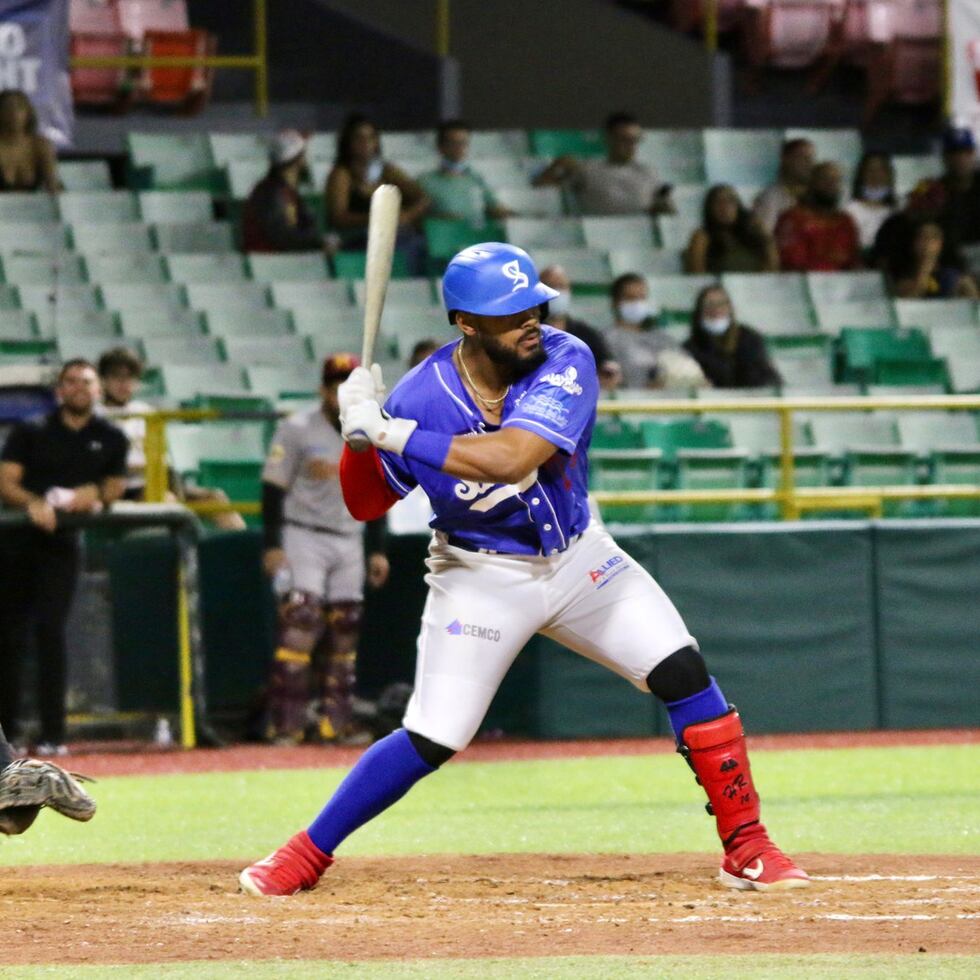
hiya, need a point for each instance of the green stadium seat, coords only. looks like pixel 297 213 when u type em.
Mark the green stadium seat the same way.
pixel 674 231
pixel 677 155
pixel 955 342
pixel 911 169
pixel 205 296
pixel 161 323
pixel 559 142
pixel 322 146
pixel 350 264
pixel 291 349
pixel 93 347
pixel 498 143
pixel 832 317
pixel 17 325
pixel 85 175
pixel 530 202
pixel 241 481
pixel 289 267
pixel 184 381
pixel 843 146
pixel 323 345
pixel 620 231
pixel 594 310
pixel 741 156
pixel 9 300
pixel 162 350
pixel 845 287
pixel 688 201
pixel 195 236
pixel 406 327
pixel 148 298
pixel 801 370
pixel 586 267
pixel 63 298
pixel 646 261
pixel 243 175
pixel 951 444
pixel 903 391
pixel 172 161
pixel 47 269
pixel 911 373
pixel 414 293
pixel 504 172
pixel 28 237
pixel 258 323
pixel 419 145
pixel 226 147
pixel 759 436
pixel 89 323
pixel 534 233
pixel 862 348
pixel 316 295
pixel 33 206
pixel 937 314
pixel 676 294
pixel 445 237
pixel 96 207
pixel 169 207
pixel 206 267
pixel 335 329
pixel 128 236
pixel 772 302
pixel 273 382
pixel 126 267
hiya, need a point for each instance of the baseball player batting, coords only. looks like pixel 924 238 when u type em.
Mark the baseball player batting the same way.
pixel 26 785
pixel 495 427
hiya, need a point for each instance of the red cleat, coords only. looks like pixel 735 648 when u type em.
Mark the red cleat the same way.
pixel 295 867
pixel 758 864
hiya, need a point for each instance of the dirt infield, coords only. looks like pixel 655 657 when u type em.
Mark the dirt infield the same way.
pixel 505 905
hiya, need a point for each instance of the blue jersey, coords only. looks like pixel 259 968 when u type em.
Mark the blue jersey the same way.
pixel 539 516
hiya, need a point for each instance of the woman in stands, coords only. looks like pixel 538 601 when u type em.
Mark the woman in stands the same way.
pixel 731 354
pixel 27 159
pixel 918 269
pixel 873 198
pixel 358 169
pixel 730 239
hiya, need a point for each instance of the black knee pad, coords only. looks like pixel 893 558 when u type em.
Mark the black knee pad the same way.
pixel 682 675
pixel 432 753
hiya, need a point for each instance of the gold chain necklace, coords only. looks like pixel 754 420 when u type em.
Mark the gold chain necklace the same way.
pixel 489 402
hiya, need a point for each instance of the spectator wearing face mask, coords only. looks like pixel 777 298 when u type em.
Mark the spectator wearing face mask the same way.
pixel 816 235
pixel 455 188
pixel 648 355
pixel 358 169
pixel 731 354
pixel 873 199
pixel 559 316
pixel 795 164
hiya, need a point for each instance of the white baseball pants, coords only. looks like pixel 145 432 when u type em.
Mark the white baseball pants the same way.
pixel 483 608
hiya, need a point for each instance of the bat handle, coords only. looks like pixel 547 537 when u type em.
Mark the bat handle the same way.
pixel 358 442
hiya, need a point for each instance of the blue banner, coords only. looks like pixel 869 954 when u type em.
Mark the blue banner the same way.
pixel 34 40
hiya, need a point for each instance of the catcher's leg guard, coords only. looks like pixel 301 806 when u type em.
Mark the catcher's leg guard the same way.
pixel 334 666
pixel 300 626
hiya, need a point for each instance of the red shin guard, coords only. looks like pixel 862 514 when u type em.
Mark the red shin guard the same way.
pixel 716 751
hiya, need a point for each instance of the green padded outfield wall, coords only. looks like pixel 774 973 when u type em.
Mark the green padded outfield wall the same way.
pixel 809 626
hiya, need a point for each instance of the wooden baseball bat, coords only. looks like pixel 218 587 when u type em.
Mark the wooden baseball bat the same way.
pixel 382 230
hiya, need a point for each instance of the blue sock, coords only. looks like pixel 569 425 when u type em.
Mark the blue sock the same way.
pixel 703 706
pixel 382 776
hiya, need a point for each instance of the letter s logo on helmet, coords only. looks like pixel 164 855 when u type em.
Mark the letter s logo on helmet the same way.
pixel 493 279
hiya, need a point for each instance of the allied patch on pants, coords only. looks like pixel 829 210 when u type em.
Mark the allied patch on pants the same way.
pixel 608 570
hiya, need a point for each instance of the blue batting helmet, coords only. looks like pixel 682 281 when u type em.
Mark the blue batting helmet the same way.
pixel 493 279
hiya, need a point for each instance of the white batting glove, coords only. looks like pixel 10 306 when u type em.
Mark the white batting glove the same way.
pixel 361 385
pixel 368 420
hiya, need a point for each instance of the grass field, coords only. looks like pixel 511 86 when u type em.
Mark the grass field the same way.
pixel 900 800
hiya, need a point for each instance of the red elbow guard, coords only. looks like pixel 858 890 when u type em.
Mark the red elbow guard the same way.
pixel 362 480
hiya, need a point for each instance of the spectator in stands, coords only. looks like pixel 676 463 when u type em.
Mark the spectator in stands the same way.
pixel 276 218
pixel 817 235
pixel 953 198
pixel 68 462
pixel 27 159
pixel 559 316
pixel 731 354
pixel 619 184
pixel 423 349
pixel 455 188
pixel 648 355
pixel 796 161
pixel 730 238
pixel 120 373
pixel 919 271
pixel 358 169
pixel 873 198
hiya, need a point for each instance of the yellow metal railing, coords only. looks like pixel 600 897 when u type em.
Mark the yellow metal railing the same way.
pixel 257 62
pixel 793 501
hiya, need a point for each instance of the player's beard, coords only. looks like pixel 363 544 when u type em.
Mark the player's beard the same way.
pixel 512 364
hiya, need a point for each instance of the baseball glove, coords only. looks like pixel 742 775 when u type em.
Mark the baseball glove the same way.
pixel 26 785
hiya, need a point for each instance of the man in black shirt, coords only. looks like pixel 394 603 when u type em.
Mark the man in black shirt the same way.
pixel 71 461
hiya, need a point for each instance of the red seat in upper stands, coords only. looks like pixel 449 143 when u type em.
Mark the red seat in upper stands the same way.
pixel 140 16
pixel 187 88
pixel 96 30
pixel 788 33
